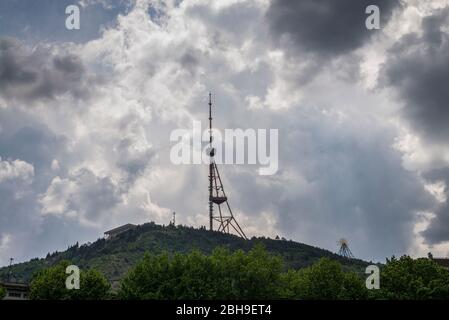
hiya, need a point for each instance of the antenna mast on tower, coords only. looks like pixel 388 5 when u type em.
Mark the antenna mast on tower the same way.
pixel 217 195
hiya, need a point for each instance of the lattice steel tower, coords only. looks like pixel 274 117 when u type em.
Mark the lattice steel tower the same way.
pixel 224 218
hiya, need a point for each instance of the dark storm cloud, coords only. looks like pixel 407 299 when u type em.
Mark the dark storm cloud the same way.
pixel 362 188
pixel 25 138
pixel 132 161
pixel 69 65
pixel 11 70
pixel 438 229
pixel 95 195
pixel 334 180
pixel 190 61
pixel 29 74
pixel 418 68
pixel 326 28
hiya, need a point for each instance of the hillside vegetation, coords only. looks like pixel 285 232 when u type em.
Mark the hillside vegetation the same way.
pixel 116 256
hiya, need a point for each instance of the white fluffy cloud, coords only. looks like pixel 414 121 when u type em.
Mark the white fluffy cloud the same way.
pixel 16 169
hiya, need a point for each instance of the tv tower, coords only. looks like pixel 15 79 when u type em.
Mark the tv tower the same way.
pixel 217 195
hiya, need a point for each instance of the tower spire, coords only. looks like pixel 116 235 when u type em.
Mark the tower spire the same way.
pixel 211 167
pixel 217 195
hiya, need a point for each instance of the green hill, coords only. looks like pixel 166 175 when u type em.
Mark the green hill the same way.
pixel 115 256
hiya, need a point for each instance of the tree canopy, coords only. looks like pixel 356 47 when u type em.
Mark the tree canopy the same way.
pixel 325 280
pixel 415 279
pixel 49 284
pixel 253 274
pixel 221 275
pixel 239 275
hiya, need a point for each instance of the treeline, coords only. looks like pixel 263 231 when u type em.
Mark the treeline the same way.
pixel 255 274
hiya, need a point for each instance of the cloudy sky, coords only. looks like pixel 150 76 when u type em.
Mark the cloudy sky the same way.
pixel 363 119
